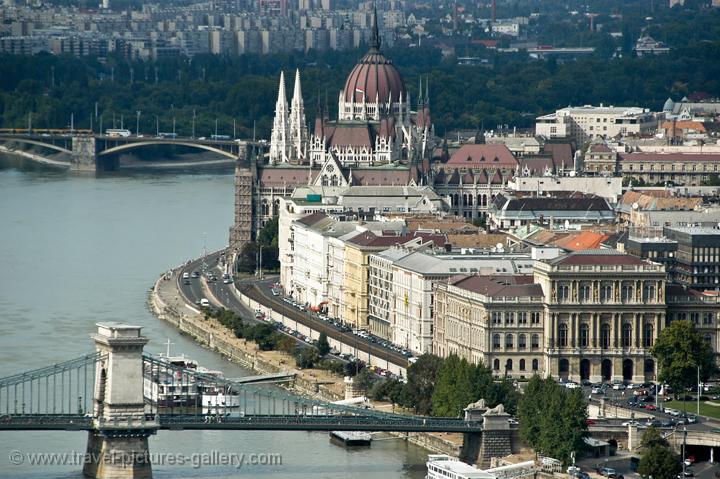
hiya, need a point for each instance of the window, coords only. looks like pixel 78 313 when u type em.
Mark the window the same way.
pixel 535 341
pixel 648 335
pixel 626 335
pixel 605 336
pixel 584 335
pixel 709 339
pixel 563 292
pixel 585 292
pixel 508 341
pixel 508 365
pixel 496 364
pixel 496 318
pixel 522 365
pixel 510 318
pixel 496 341
pixel 522 317
pixel 534 364
pixel 707 318
pixel 695 318
pixel 535 317
pixel 627 292
pixel 649 293
pixel 562 335
pixel 522 342
pixel 606 293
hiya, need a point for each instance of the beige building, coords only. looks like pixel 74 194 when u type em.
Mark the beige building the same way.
pixel 590 315
pixel 496 320
pixel 689 169
pixel 584 123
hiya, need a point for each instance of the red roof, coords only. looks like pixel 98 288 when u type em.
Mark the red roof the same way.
pixel 374 77
pixel 483 156
pixel 598 257
pixel 499 285
pixel 582 241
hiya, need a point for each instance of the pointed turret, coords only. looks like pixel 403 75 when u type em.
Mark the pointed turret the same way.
pixel 280 137
pixel 298 125
pixel 319 131
pixel 375 38
pixel 420 96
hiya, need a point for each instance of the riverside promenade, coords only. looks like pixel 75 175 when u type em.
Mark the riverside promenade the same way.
pixel 168 304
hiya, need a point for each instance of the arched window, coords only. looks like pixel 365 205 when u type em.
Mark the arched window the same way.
pixel 276 207
pixel 465 200
pixel 563 335
pixel 605 336
pixel 535 365
pixel 508 365
pixel 496 341
pixel 508 341
pixel 496 364
pixel 264 208
pixel 649 293
pixel 584 335
pixel 708 338
pixel 626 335
pixel 648 335
pixel 535 341
pixel 522 365
pixel 521 341
pixel 627 292
pixel 585 292
pixel 470 200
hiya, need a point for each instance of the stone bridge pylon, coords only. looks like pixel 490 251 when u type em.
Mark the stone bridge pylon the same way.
pixel 117 448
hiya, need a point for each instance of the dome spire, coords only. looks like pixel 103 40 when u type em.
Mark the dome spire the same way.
pixel 375 39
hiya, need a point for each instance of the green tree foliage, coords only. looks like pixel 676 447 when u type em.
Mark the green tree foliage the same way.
pixel 658 459
pixel 247 259
pixel 421 378
pixel 306 358
pixel 460 383
pixel 680 350
pixel 553 418
pixel 454 388
pixel 364 381
pixel 268 239
pixel 323 345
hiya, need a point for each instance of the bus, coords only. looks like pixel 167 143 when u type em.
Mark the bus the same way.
pixel 167 135
pixel 220 137
pixel 117 132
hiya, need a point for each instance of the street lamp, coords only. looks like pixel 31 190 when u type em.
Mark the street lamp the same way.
pixel 137 123
pixel 193 124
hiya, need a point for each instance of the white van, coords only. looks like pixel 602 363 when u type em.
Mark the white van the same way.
pixel 204 302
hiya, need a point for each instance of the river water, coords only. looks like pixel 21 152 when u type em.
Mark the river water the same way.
pixel 77 250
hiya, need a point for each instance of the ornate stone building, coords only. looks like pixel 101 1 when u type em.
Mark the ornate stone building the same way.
pixel 591 315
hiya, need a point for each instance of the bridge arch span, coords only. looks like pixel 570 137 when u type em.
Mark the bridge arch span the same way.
pixel 140 144
pixel 37 142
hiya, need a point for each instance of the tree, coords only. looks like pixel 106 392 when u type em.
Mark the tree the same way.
pixel 553 419
pixel 680 350
pixel 247 259
pixel 454 389
pixel 364 381
pixel 323 345
pixel 306 358
pixel 421 379
pixel 658 460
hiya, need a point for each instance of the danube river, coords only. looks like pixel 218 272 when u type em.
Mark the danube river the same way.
pixel 81 250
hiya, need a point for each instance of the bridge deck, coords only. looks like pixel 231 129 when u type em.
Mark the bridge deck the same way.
pixel 249 423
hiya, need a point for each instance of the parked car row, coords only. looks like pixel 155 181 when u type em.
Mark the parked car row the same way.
pixel 344 328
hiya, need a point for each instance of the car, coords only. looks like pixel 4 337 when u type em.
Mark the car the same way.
pixel 275 292
pixel 607 472
pixel 691 419
pixel 186 275
pixel 195 274
pixel 631 422
pixel 648 399
pixel 652 423
pixel 651 407
pixel 186 282
pixel 204 302
pixel 590 422
pixel 618 387
pixel 672 412
pixel 668 423
pixel 597 391
pixel 572 385
pixel 690 460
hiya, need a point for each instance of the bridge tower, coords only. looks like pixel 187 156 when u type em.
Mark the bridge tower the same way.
pixel 84 153
pixel 118 446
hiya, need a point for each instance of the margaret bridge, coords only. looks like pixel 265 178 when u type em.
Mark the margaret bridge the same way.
pixel 83 150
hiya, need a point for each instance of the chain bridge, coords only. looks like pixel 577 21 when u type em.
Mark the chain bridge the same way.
pixel 121 396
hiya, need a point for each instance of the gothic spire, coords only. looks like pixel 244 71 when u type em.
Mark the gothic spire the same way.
pixel 375 39
pixel 279 139
pixel 420 94
pixel 298 125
